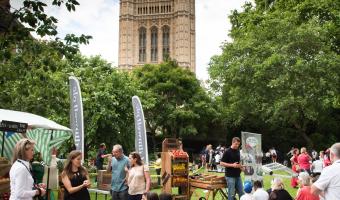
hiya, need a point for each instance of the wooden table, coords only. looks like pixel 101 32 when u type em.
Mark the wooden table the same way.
pixel 213 184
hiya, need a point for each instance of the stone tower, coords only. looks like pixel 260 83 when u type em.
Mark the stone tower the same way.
pixel 152 30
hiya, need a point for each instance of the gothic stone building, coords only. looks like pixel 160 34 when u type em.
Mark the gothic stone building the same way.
pixel 152 30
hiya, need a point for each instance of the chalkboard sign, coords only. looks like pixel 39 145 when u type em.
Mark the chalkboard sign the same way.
pixel 13 126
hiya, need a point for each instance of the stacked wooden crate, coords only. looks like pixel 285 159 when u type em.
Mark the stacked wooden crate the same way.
pixel 208 181
pixel 175 168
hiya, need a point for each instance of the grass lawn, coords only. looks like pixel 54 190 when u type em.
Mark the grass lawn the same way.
pixel 200 192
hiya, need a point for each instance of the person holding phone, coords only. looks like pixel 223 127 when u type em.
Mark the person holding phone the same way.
pixel 231 161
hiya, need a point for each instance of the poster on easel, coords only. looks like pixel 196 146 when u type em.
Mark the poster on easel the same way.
pixel 251 156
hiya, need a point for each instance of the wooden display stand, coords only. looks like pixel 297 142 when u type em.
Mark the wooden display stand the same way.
pixel 175 170
pixel 214 184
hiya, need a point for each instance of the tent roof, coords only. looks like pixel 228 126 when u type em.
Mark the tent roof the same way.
pixel 32 120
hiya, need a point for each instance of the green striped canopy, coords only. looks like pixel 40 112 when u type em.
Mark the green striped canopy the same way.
pixel 45 140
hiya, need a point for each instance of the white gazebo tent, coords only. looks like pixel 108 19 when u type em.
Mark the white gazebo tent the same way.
pixel 33 121
pixel 45 132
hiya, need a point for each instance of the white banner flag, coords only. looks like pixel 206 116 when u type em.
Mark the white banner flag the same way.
pixel 76 115
pixel 141 144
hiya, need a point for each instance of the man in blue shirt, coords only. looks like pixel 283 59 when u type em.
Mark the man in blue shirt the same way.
pixel 119 165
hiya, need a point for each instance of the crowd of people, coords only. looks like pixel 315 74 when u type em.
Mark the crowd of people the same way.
pixel 130 177
pixel 313 164
pixel 317 179
pixel 210 158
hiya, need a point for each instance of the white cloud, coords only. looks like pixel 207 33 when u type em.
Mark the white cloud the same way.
pixel 100 19
pixel 212 27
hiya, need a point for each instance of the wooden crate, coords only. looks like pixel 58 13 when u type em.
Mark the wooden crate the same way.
pixel 104 180
pixel 4 185
pixel 209 182
pixel 5 166
pixel 175 170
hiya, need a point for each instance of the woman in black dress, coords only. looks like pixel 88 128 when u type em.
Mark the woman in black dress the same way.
pixel 75 178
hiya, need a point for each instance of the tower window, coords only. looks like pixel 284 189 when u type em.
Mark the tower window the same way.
pixel 142 44
pixel 154 43
pixel 166 42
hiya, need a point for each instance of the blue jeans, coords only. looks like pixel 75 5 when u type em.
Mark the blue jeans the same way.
pixel 234 183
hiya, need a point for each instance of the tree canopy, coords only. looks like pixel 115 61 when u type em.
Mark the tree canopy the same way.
pixel 282 68
pixel 175 102
pixel 34 76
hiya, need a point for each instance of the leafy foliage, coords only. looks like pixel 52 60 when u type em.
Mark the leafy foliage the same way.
pixel 176 104
pixel 31 20
pixel 35 79
pixel 34 76
pixel 282 66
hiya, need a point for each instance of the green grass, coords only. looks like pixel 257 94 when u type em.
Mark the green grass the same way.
pixel 200 192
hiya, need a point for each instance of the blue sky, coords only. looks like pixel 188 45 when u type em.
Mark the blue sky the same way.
pixel 100 19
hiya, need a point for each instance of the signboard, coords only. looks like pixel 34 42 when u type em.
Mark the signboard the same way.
pixel 141 145
pixel 13 126
pixel 251 156
pixel 76 114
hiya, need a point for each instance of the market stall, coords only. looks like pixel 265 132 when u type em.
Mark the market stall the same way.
pixel 15 125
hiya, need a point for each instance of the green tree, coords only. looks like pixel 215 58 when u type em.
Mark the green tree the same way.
pixel 35 80
pixel 282 66
pixel 106 94
pixel 34 76
pixel 175 103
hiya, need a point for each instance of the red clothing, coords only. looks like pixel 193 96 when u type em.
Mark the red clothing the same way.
pixel 295 159
pixel 305 194
pixel 294 181
pixel 326 161
pixel 303 161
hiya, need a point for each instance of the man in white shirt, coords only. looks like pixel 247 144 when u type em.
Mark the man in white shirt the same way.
pixel 317 167
pixel 328 185
pixel 260 193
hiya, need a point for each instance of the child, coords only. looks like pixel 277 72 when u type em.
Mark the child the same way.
pixel 248 187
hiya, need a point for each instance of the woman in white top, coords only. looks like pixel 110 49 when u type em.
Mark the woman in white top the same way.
pixel 138 178
pixel 20 175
